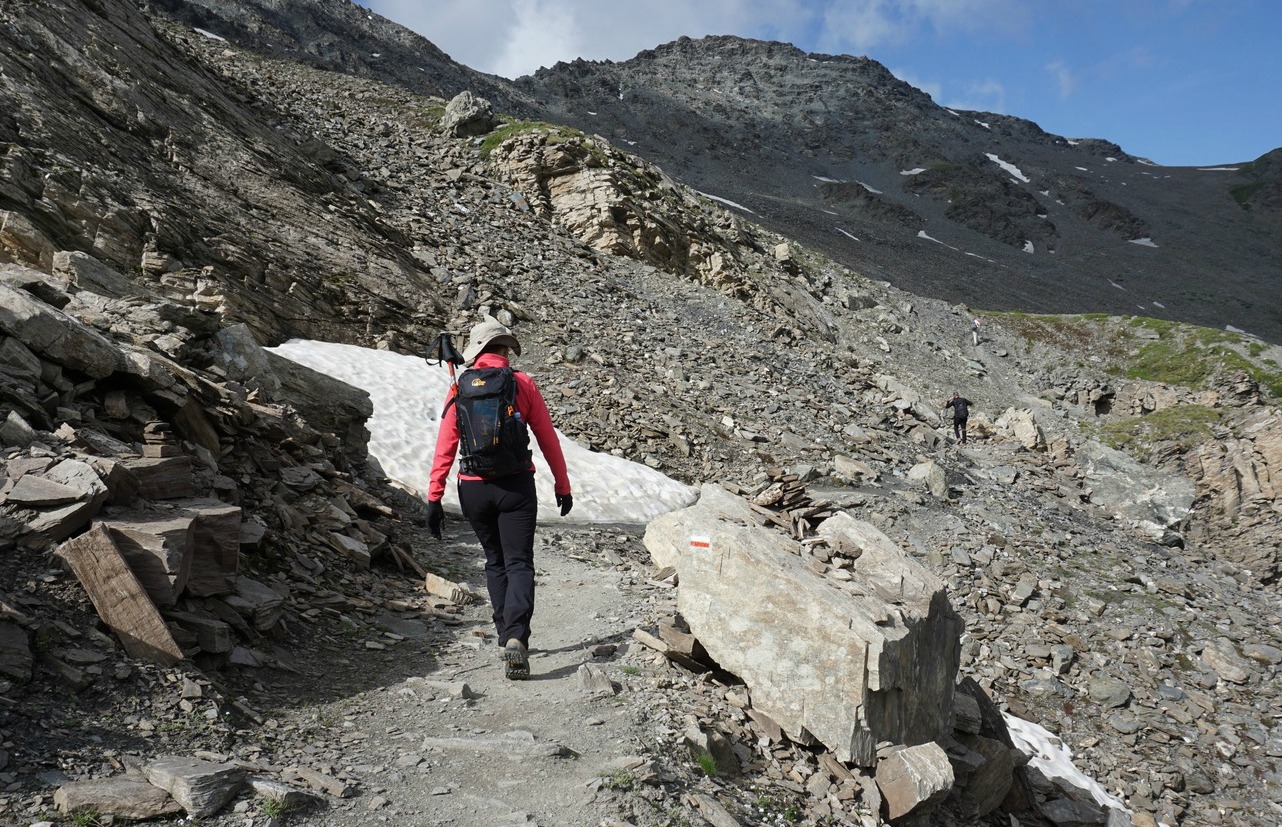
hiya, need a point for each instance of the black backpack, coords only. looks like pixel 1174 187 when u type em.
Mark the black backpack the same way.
pixel 493 439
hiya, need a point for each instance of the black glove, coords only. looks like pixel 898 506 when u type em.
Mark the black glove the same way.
pixel 435 517
pixel 565 502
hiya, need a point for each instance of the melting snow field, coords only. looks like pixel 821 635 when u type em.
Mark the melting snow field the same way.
pixel 1143 242
pixel 408 394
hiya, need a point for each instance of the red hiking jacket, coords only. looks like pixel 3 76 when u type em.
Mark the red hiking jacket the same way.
pixel 534 410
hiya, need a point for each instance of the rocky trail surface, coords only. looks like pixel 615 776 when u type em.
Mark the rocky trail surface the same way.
pixel 418 725
pixel 440 736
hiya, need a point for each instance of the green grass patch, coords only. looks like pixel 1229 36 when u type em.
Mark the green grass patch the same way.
pixel 1184 425
pixel 555 134
pixel 1195 357
pixel 707 764
pixel 276 808
pixel 85 817
pixel 1154 350
pixel 621 781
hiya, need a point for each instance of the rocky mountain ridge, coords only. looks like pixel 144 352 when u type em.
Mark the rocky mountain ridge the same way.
pixel 836 152
pixel 663 328
pixel 990 209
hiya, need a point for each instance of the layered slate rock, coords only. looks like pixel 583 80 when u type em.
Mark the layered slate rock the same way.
pixel 852 662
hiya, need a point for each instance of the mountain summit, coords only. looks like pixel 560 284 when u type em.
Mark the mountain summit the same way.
pixel 970 206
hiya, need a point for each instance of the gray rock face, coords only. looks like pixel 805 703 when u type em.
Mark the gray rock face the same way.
pixel 1154 499
pixel 47 331
pixel 869 660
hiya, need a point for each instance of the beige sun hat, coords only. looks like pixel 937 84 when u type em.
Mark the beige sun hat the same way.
pixel 488 332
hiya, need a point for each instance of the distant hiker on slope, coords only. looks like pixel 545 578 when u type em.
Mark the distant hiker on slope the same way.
pixel 974 330
pixel 488 417
pixel 961 412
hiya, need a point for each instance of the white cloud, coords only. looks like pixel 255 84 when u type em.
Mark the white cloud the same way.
pixel 1064 77
pixel 982 96
pixel 858 25
pixel 541 33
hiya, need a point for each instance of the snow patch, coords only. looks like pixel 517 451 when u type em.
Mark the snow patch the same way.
pixel 728 203
pixel 408 395
pixel 1048 754
pixel 1143 242
pixel 922 234
pixel 1011 168
pixel 1028 246
pixel 827 180
pixel 981 123
pixel 846 234
pixel 210 35
pixel 870 189
pixel 1218 169
pixel 913 171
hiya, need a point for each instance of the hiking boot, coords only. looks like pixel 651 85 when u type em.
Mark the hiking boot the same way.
pixel 516 661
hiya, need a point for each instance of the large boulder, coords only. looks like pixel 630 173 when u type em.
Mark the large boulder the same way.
pixel 466 116
pixel 851 663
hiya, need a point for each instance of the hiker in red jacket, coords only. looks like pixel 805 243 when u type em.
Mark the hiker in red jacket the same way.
pixel 496 477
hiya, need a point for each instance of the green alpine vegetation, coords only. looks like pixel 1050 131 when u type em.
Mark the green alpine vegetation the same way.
pixel 1156 350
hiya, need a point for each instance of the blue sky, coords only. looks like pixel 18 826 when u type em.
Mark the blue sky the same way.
pixel 1180 82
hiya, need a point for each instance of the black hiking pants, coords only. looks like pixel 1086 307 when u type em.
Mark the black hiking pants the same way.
pixel 959 430
pixel 503 513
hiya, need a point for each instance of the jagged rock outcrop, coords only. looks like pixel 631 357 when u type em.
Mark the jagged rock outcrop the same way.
pixel 185 202
pixel 467 116
pixel 1239 491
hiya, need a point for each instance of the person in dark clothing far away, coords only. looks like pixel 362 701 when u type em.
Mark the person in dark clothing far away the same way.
pixel 497 494
pixel 961 412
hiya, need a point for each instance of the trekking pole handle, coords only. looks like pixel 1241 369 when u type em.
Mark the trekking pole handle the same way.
pixel 443 350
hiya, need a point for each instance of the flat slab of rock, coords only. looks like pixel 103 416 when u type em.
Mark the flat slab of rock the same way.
pixel 517 745
pixel 201 787
pixel 120 797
